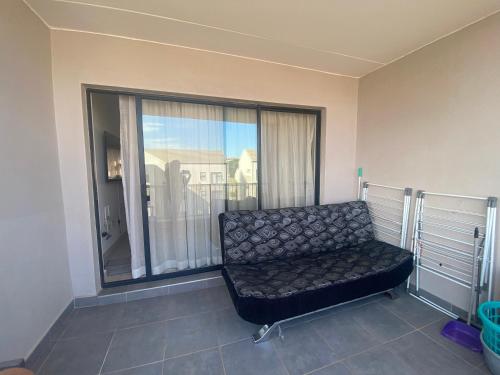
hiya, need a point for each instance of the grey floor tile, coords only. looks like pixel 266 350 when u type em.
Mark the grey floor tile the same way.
pixel 336 369
pixel 425 356
pixel 304 319
pixel 215 281
pixel 136 346
pixel 173 281
pixel 146 311
pixel 190 303
pixel 190 334
pixel 215 298
pixel 187 287
pixel 379 361
pixel 207 362
pixel 484 370
pixel 136 295
pixel 151 369
pixel 174 306
pixel 246 358
pixel 303 350
pixel 185 304
pixel 333 310
pixel 41 352
pixel 91 320
pixel 231 328
pixel 360 302
pixel 412 310
pixel 344 335
pixel 79 356
pixel 339 308
pixel 434 331
pixel 57 330
pixel 381 323
pixel 195 302
pixel 43 349
pixel 186 328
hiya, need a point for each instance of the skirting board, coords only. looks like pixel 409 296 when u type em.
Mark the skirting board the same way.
pixel 150 290
pixel 13 363
pixel 44 347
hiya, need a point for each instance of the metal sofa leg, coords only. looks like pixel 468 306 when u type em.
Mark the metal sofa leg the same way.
pixel 392 294
pixel 263 333
pixel 280 333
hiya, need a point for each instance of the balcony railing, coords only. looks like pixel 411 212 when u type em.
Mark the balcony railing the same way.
pixel 201 199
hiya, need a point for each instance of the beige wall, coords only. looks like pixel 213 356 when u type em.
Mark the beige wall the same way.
pixel 432 120
pixel 80 58
pixel 35 284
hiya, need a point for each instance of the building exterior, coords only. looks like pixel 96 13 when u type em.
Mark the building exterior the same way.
pixel 247 167
pixel 197 166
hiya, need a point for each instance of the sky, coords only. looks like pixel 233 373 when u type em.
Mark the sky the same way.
pixel 187 133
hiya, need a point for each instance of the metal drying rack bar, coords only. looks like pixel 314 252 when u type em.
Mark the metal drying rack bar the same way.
pixel 381 210
pixel 457 260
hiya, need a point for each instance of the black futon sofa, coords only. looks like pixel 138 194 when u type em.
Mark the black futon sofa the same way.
pixel 281 263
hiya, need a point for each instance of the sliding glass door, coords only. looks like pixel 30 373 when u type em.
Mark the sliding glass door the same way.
pixel 200 160
pixel 165 168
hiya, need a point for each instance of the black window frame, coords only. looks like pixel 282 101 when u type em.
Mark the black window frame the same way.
pixel 139 97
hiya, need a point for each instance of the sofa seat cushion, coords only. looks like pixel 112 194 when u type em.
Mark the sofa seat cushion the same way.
pixel 283 278
pixel 275 290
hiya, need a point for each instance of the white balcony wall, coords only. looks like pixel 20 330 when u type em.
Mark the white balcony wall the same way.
pixel 35 284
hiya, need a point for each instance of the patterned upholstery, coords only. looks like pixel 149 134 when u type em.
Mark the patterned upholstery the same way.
pixel 286 277
pixel 287 262
pixel 251 237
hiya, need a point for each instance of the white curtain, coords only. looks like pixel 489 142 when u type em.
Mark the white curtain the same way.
pixel 131 183
pixel 288 159
pixel 186 173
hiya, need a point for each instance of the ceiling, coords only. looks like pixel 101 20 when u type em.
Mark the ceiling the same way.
pixel 345 37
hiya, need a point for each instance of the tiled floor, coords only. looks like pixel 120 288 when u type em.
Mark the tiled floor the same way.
pixel 199 332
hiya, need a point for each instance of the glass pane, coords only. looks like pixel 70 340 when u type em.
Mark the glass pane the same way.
pixel 113 231
pixel 190 152
pixel 241 158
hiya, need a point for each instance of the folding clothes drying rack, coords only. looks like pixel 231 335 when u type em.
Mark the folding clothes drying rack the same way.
pixel 444 244
pixel 390 211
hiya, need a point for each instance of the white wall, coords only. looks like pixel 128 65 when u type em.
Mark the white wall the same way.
pixel 35 284
pixel 80 58
pixel 432 120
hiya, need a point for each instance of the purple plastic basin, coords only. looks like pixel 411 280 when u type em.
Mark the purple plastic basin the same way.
pixel 463 334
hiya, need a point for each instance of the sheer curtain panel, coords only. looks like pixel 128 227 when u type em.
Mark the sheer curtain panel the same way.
pixel 288 143
pixel 131 183
pixel 185 172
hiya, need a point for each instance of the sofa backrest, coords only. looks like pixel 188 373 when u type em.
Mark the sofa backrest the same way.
pixel 249 237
